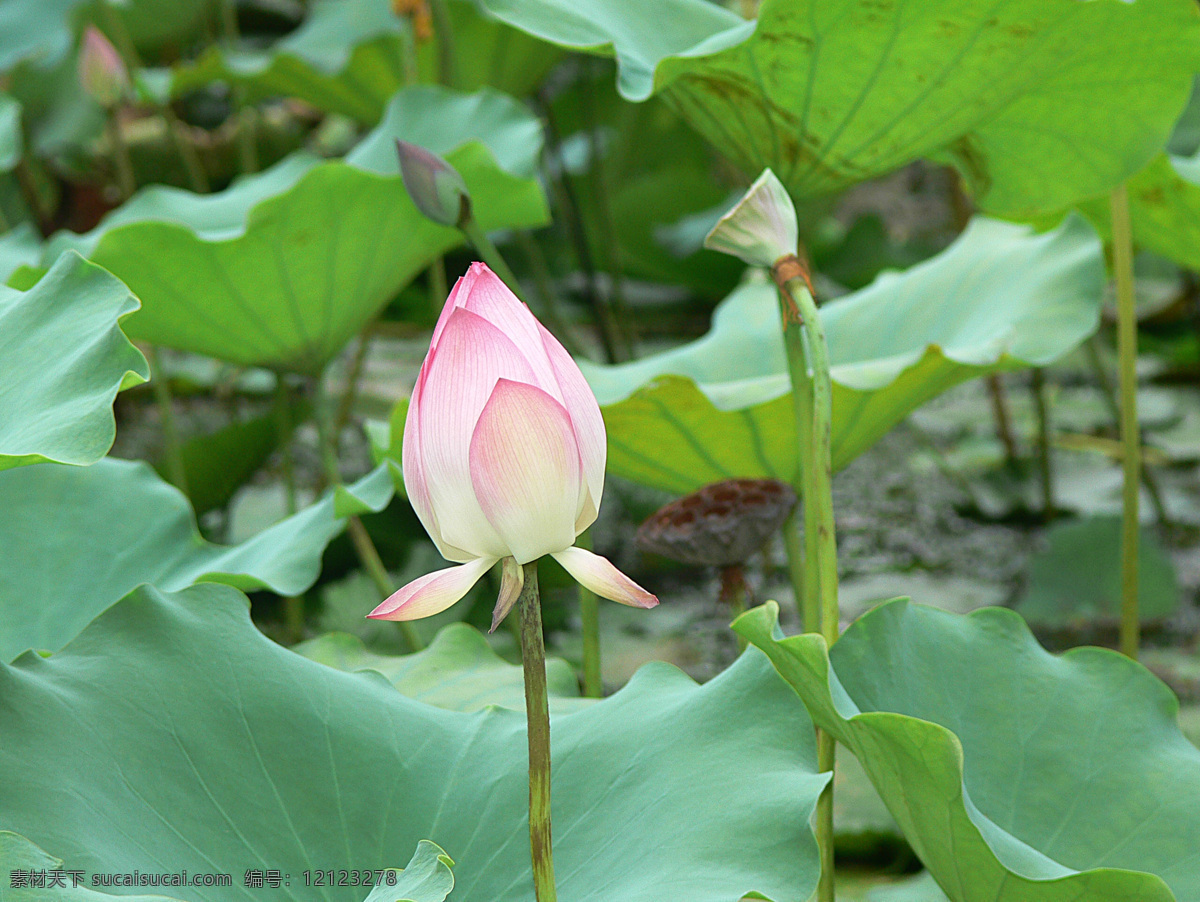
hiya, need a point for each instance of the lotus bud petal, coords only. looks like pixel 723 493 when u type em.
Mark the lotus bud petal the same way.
pixel 102 72
pixel 434 185
pixel 504 452
pixel 761 227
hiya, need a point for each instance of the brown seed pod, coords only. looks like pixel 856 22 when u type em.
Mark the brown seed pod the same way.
pixel 720 524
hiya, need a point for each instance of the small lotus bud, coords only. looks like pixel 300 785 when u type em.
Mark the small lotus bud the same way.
pixel 102 72
pixel 761 227
pixel 434 185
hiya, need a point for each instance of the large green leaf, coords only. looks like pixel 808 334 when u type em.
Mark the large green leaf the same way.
pixel 86 536
pixel 1028 98
pixel 65 358
pixel 35 31
pixel 349 57
pixel 998 298
pixel 458 671
pixel 30 875
pixel 1017 776
pixel 203 745
pixel 284 267
pixel 1076 579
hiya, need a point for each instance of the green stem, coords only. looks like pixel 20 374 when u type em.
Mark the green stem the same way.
pixel 488 251
pixel 809 597
pixel 810 356
pixel 368 554
pixel 439 287
pixel 589 614
pixel 550 312
pixel 283 429
pixel 247 152
pixel 353 378
pixel 120 156
pixel 537 710
pixel 1037 387
pixel 293 605
pixel 444 34
pixel 793 541
pixel 1003 421
pixel 1122 238
pixel 733 593
pixel 197 177
pixel 172 447
pixel 1149 480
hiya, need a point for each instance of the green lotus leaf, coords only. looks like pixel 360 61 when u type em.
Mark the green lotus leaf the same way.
pixel 284 267
pixel 990 755
pixel 20 860
pixel 427 878
pixel 999 298
pixel 1076 579
pixel 218 463
pixel 86 536
pixel 1027 98
pixel 39 32
pixel 20 246
pixel 205 745
pixel 458 671
pixel 349 57
pixel 65 359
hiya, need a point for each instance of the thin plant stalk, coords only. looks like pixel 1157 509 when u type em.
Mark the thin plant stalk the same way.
pixel 734 593
pixel 293 605
pixel 444 34
pixel 247 152
pixel 1122 239
pixel 1004 430
pixel 793 543
pixel 353 378
pixel 364 547
pixel 197 177
pixel 1149 480
pixel 1037 387
pixel 537 709
pixel 589 615
pixel 120 155
pixel 172 447
pixel 487 250
pixel 550 310
pixel 807 353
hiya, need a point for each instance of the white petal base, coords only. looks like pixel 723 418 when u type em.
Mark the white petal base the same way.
pixel 598 574
pixel 432 593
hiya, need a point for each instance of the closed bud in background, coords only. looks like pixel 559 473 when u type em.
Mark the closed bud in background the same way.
pixel 102 72
pixel 434 185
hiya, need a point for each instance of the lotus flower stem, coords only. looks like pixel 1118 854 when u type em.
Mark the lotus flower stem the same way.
pixel 537 709
pixel 589 614
pixel 1122 239
pixel 487 250
pixel 172 447
pixel 807 354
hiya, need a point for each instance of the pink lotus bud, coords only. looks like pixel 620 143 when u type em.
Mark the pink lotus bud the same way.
pixel 434 185
pixel 761 227
pixel 504 451
pixel 102 72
